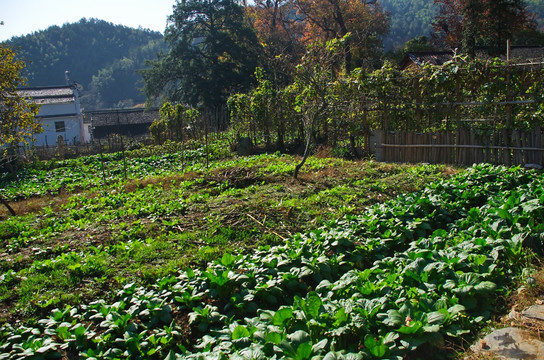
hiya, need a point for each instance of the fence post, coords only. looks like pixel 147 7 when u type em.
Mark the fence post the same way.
pixel 376 144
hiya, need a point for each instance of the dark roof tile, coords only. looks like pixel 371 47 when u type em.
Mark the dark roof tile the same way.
pixel 121 117
pixel 49 94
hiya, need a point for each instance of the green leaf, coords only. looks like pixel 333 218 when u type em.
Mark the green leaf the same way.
pixel 313 304
pixel 318 347
pixel 370 341
pixel 281 316
pixel 504 214
pixel 304 351
pixel 333 355
pixel 531 206
pixel 390 337
pixel 431 329
pixel 172 356
pixel 274 338
pixel 485 286
pixel 79 331
pixel 228 259
pixel 353 356
pixel 479 259
pixel 394 318
pixel 413 328
pixel 190 273
pixel 376 348
pixel 299 337
pixel 240 332
pixel 63 332
pixel 341 317
pixel 437 317
pixel 456 309
pixel 253 352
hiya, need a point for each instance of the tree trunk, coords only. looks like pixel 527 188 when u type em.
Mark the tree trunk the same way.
pixel 10 209
pixel 304 157
pixel 280 131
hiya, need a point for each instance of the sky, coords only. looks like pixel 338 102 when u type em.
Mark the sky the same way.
pixel 23 17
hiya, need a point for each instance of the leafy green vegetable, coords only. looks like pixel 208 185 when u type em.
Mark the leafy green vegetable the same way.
pixel 412 272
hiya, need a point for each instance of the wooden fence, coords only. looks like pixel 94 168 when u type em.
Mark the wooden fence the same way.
pixel 97 146
pixel 462 147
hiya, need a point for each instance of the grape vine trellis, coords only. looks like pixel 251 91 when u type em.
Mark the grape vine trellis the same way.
pixel 482 94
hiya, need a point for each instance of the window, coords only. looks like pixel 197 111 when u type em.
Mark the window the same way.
pixel 59 126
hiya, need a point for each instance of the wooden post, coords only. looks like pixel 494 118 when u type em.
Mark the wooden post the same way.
pixel 376 145
pixel 206 142
pixel 508 98
pixel 122 147
pixel 506 143
pixel 518 158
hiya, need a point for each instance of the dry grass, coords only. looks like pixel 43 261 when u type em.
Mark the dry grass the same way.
pixel 35 205
pixel 166 181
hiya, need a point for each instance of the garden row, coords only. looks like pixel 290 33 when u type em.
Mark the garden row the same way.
pixel 414 273
pixel 103 170
pixel 84 243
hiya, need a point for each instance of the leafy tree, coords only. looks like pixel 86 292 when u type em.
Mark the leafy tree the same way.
pixel 418 44
pixel 334 19
pixel 262 108
pixel 536 9
pixel 278 28
pixel 311 85
pixel 18 122
pixel 528 37
pixel 213 52
pixel 173 123
pixel 18 116
pixel 447 26
pixel 503 19
pixel 472 14
pixel 472 23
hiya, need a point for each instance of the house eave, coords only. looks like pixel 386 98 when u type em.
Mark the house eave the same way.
pixel 57 116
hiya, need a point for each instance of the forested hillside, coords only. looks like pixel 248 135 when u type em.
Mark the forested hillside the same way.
pixel 100 56
pixel 537 7
pixel 413 18
pixel 104 58
pixel 409 19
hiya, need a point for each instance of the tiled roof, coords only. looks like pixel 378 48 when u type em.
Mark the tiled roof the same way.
pixel 527 53
pixel 50 94
pixel 433 58
pixel 519 53
pixel 121 117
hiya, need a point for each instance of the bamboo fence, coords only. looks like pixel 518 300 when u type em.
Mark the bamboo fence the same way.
pixel 465 147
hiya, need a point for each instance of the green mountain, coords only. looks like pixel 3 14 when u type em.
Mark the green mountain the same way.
pixel 100 56
pixel 409 19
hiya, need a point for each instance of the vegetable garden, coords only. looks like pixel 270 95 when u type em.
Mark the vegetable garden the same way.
pixel 417 272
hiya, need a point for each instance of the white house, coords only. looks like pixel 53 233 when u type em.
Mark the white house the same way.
pixel 60 115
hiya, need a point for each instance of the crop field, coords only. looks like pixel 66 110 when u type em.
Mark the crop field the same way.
pixel 169 253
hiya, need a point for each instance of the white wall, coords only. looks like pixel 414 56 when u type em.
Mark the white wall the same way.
pixel 67 112
pixel 67 108
pixel 70 135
